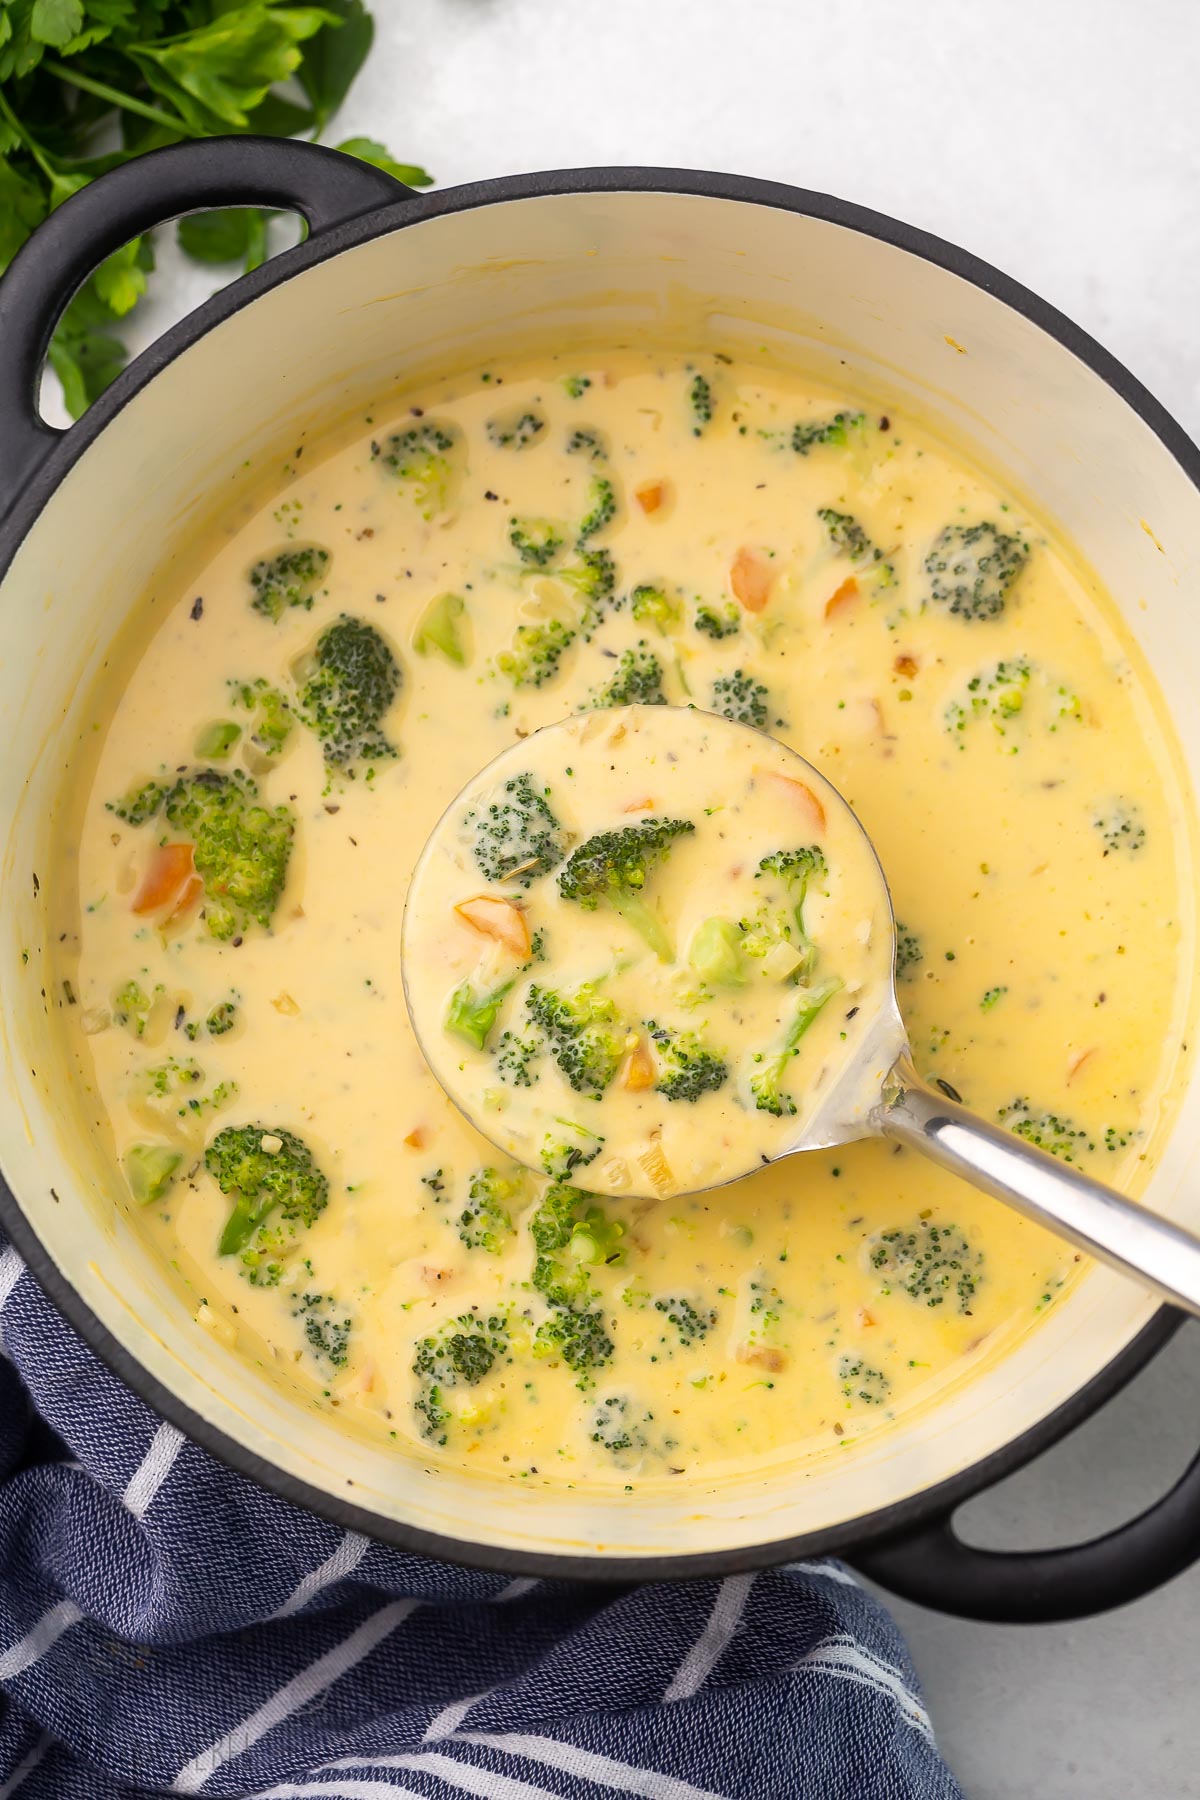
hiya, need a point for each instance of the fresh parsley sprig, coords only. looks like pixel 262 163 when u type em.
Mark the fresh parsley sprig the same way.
pixel 88 84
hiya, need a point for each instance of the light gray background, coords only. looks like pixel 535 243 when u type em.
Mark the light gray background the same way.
pixel 1062 142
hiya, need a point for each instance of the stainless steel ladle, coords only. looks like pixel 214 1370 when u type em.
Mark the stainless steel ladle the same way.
pixel 880 1094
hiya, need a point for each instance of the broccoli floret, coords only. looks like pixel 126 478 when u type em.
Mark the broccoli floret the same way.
pixel 326 1327
pixel 240 847
pixel 569 1147
pixel 279 1191
pixel 908 950
pixel 571 1233
pixel 516 1056
pixel 214 742
pixel 1059 1136
pixel 471 1015
pixel 576 385
pixel 441 628
pixel 150 1169
pixel 740 698
pixel 589 444
pixel 461 1354
pixel 515 430
pixel 290 578
pixel 795 869
pixel 1121 829
pixel 614 866
pixel 485 1222
pixel 602 509
pixel 139 806
pixel 689 1321
pixel 932 1263
pixel 688 1068
pixel 848 536
pixel 131 1006
pixel 616 1429
pixel 584 1033
pixel 844 428
pixel 766 1083
pixel 654 606
pixel 972 569
pixel 714 624
pixel 577 1338
pixel 860 1383
pixel 593 576
pixel 422 458
pixel 272 723
pixel 700 403
pixel 517 837
pixel 536 541
pixel 354 680
pixel 174 1089
pixel 637 681
pixel 535 653
pixel 715 953
pixel 992 997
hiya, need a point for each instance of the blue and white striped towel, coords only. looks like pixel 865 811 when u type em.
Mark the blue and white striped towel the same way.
pixel 167 1627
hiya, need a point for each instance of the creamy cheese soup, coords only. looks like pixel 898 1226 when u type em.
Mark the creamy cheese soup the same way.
pixel 420 592
pixel 682 947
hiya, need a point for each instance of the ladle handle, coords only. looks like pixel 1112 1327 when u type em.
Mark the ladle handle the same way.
pixel 1155 1252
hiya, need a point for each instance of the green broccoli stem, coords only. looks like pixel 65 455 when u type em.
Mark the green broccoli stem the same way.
pixel 637 912
pixel 811 1004
pixel 248 1213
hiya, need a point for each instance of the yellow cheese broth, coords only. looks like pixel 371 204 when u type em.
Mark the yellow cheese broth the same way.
pixel 653 1019
pixel 1048 973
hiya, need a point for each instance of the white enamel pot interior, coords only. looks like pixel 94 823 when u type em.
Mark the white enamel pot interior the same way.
pixel 361 307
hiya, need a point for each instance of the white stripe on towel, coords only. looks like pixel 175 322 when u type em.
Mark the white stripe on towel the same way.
pixel 587 1765
pixel 337 1566
pixel 294 1694
pixel 713 1641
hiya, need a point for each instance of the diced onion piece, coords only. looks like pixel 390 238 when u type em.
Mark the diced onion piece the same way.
pixel 170 884
pixel 613 1174
pixel 212 1322
pixel 656 1168
pixel 497 919
pixel 283 1003
pixel 762 1356
pixel 800 795
pixel 751 578
pixel 781 962
pixel 640 1071
pixel 94 1019
pixel 841 597
pixel 270 1143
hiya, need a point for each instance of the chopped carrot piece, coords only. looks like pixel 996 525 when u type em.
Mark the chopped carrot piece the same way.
pixel 498 919
pixel 799 793
pixel 762 1356
pixel 650 495
pixel 171 883
pixel 751 577
pixel 862 1317
pixel 416 1138
pixel 841 596
pixel 640 1071
pixel 644 804
pixel 1076 1062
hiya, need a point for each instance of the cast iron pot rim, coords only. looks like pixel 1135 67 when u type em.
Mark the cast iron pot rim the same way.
pixel 901 1516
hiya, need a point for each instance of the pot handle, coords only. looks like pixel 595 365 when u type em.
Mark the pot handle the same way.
pixel 324 186
pixel 934 1567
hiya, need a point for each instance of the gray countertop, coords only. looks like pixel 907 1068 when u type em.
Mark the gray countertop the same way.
pixel 1060 139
